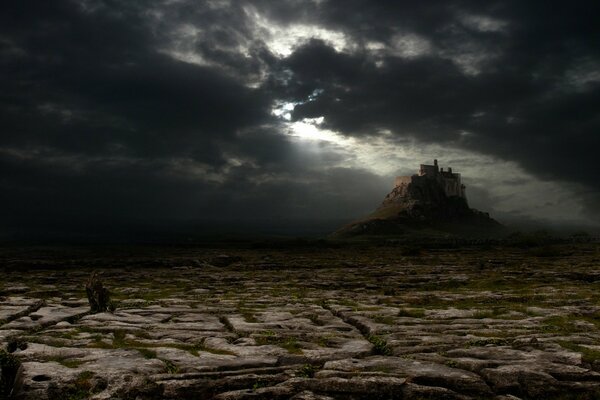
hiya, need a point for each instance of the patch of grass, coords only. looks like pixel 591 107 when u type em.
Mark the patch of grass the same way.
pixel 347 302
pixel 70 335
pixel 298 293
pixel 587 355
pixel 384 319
pixel 170 366
pixel 560 324
pixel 325 341
pixel 423 300
pixel 120 341
pixel 70 363
pixel 249 316
pixel 523 309
pixel 368 308
pixel 323 303
pixel 119 338
pixel 290 344
pixel 82 388
pixel 593 318
pixel 314 318
pixel 383 368
pixel 147 353
pixel 142 334
pixel 444 285
pixel 495 281
pixel 494 334
pixel 85 375
pixel 259 384
pixel 482 314
pixel 202 347
pixel 493 340
pixel 518 302
pixel 307 371
pixel 411 312
pixel 380 345
pixel 98 343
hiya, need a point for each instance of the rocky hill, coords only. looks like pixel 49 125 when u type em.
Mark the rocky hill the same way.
pixel 434 200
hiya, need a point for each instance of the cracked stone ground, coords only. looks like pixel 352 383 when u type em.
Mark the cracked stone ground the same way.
pixel 328 323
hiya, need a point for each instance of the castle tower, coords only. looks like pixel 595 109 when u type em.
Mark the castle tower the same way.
pixel 431 170
pixel 450 181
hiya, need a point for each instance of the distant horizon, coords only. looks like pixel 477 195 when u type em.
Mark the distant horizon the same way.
pixel 165 232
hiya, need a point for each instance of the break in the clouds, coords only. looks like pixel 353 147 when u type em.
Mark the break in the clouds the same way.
pixel 255 110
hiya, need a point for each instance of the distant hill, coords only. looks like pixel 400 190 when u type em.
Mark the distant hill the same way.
pixel 432 202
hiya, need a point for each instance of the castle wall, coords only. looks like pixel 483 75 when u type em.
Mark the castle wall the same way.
pixel 402 180
pixel 428 170
pixel 452 187
pixel 449 181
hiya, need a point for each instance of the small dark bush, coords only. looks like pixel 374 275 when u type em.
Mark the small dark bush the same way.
pixel 308 371
pixel 380 346
pixel 9 368
pixel 16 344
pixel 98 295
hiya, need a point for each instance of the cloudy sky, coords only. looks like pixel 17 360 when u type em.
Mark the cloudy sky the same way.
pixel 177 111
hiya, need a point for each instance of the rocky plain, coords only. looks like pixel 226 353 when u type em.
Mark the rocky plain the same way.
pixel 303 322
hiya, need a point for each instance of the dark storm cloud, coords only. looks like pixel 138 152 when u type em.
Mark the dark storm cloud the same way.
pixel 510 115
pixel 92 81
pixel 532 100
pixel 162 110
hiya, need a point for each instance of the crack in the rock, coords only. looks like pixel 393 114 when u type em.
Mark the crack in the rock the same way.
pixel 30 309
pixel 227 324
pixel 359 326
pixel 72 319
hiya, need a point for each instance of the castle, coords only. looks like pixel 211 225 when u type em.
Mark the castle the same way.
pixel 449 180
pixel 432 199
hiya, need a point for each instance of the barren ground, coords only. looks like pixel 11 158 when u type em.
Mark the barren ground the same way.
pixel 322 323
